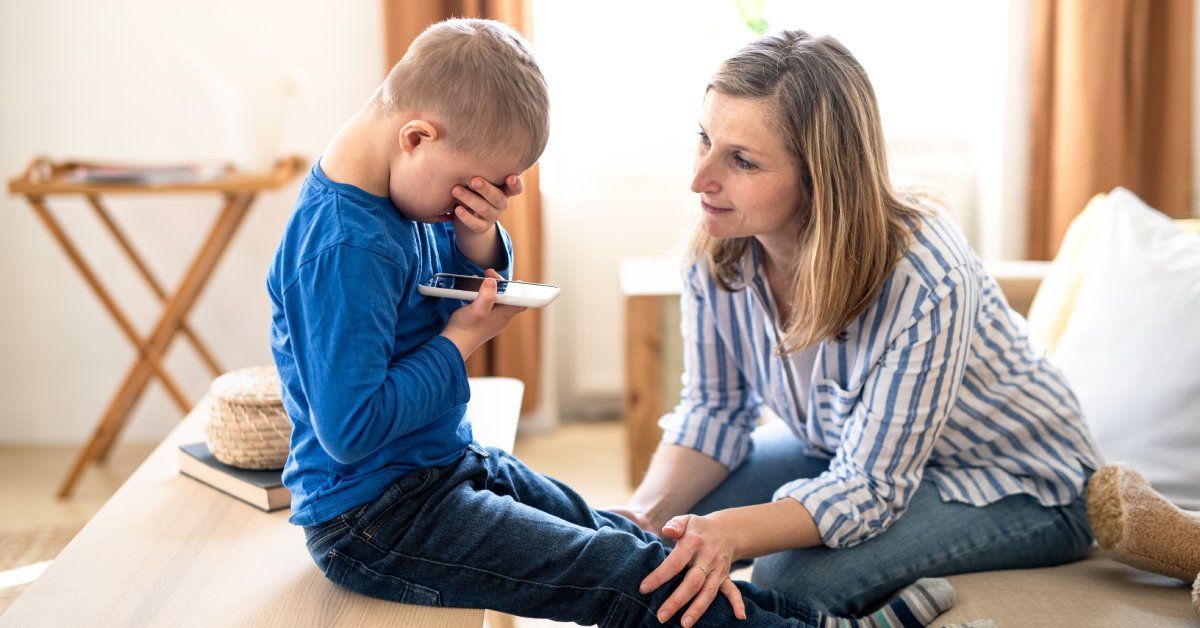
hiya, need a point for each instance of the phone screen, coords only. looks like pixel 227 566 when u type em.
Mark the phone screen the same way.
pixel 468 284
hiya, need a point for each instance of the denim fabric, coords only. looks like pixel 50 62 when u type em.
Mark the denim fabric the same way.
pixel 932 538
pixel 487 532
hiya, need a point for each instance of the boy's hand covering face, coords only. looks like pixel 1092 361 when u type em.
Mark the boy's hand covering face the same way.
pixel 480 205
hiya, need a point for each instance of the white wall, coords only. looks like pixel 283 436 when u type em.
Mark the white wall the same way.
pixel 102 80
pixel 616 172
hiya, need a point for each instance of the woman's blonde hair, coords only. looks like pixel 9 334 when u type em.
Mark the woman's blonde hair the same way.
pixel 856 227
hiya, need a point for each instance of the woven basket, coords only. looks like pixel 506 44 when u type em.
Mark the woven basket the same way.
pixel 247 426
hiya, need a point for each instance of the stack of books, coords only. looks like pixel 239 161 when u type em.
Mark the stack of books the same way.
pixel 132 174
pixel 262 489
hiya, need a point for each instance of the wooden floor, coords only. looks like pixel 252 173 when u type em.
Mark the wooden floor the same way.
pixel 30 476
pixel 589 457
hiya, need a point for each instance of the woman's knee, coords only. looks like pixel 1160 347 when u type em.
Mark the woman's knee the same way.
pixel 811 577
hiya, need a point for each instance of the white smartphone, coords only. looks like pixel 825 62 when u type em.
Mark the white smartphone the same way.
pixel 466 287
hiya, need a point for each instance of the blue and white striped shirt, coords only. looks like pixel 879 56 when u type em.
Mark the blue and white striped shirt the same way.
pixel 937 379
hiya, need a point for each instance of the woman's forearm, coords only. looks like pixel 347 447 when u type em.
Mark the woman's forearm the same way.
pixel 768 528
pixel 677 479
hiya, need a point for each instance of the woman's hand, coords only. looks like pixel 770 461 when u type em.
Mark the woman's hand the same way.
pixel 705 550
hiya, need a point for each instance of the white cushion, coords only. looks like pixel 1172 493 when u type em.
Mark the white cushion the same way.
pixel 1131 348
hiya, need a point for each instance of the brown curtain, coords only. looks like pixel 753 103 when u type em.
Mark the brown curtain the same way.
pixel 1111 89
pixel 515 352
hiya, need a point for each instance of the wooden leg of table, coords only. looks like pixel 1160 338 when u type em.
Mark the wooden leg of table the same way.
pixel 110 304
pixel 177 307
pixel 100 434
pixel 197 276
pixel 644 385
pixel 206 355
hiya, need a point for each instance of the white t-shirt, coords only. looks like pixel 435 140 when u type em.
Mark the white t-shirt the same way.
pixel 803 362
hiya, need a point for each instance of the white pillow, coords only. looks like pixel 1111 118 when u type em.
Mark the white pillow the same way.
pixel 1131 348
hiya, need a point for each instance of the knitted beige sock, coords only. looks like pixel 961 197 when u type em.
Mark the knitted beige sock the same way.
pixel 1196 594
pixel 1140 527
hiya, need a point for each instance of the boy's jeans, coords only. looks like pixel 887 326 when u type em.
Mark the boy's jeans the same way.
pixel 487 532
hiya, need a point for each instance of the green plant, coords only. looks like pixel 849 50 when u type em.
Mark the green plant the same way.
pixel 751 12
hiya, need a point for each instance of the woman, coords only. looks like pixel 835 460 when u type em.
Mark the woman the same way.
pixel 922 432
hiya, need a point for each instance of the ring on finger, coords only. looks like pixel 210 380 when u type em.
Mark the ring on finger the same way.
pixel 701 567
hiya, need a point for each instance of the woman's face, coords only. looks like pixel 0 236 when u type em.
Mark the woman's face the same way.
pixel 745 176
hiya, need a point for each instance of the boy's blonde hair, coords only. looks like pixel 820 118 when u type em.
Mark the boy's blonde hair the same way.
pixel 479 78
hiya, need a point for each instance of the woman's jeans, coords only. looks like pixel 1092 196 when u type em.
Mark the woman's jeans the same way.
pixel 932 538
pixel 487 532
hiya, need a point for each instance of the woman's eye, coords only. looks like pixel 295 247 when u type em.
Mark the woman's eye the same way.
pixel 740 162
pixel 703 137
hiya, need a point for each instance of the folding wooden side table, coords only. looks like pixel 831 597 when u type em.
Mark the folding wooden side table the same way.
pixel 44 178
pixel 653 358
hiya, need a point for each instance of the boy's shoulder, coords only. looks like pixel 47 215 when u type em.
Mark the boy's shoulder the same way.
pixel 328 219
pixel 328 215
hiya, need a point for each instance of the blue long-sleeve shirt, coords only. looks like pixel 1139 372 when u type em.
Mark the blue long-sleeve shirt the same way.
pixel 371 388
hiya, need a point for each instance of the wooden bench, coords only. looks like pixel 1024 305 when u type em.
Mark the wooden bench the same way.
pixel 169 551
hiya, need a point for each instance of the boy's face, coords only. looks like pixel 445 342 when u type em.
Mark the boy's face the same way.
pixel 423 177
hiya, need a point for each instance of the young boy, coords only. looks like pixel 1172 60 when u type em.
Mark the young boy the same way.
pixel 396 500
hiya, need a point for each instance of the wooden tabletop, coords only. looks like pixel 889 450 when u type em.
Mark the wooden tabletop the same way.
pixel 169 551
pixel 650 276
pixel 45 177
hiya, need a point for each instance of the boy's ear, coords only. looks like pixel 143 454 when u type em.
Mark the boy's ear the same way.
pixel 414 132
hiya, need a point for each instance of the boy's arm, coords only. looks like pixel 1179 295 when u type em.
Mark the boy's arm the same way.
pixel 341 316
pixel 490 250
pixel 478 235
pixel 466 265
